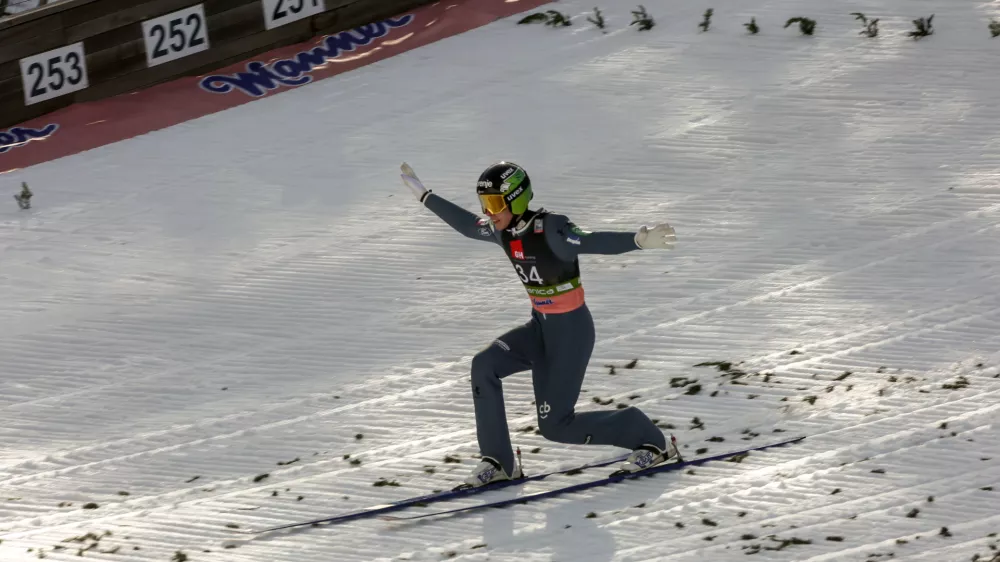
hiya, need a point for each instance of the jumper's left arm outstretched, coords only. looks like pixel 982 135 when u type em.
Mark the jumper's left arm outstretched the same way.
pixel 569 241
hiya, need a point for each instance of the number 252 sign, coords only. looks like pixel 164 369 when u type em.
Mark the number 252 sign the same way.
pixel 54 73
pixel 175 35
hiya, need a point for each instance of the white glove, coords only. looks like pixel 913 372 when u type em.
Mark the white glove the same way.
pixel 413 182
pixel 660 236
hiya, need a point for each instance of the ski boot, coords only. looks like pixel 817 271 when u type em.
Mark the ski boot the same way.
pixel 648 456
pixel 489 471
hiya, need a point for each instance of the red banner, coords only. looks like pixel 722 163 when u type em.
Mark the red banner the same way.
pixel 83 126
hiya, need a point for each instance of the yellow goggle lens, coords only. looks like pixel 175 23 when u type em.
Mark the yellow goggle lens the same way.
pixel 492 203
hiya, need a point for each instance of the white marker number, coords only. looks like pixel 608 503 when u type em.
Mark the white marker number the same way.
pixel 175 35
pixel 54 73
pixel 280 12
pixel 531 276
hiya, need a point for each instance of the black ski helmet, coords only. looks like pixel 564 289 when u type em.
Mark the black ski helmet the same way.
pixel 504 185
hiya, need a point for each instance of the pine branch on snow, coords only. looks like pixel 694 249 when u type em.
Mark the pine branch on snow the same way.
pixel 870 27
pixel 551 18
pixel 557 19
pixel 707 21
pixel 597 19
pixel 923 28
pixel 641 19
pixel 806 25
pixel 538 17
pixel 24 197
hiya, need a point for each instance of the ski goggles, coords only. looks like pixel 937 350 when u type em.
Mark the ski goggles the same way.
pixel 492 203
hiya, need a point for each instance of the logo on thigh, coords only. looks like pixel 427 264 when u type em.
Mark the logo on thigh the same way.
pixel 543 410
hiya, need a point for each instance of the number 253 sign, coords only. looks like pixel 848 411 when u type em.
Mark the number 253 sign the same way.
pixel 54 73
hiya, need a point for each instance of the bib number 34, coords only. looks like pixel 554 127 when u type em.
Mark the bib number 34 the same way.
pixel 531 276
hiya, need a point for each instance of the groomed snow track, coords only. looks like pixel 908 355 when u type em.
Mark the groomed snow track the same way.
pixel 246 320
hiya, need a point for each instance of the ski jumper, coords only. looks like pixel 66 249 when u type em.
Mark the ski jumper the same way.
pixel 557 341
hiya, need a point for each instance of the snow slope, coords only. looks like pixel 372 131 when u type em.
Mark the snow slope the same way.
pixel 255 292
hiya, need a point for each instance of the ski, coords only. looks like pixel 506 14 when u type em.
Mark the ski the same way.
pixel 422 501
pixel 590 483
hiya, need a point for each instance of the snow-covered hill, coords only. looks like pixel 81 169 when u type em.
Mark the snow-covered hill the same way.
pixel 255 293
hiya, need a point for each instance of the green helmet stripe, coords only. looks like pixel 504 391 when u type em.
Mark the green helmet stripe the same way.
pixel 517 199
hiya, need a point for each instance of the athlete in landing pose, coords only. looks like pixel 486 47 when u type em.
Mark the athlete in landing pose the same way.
pixel 557 341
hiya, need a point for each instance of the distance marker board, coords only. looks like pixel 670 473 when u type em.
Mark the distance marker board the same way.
pixel 54 73
pixel 175 35
pixel 281 12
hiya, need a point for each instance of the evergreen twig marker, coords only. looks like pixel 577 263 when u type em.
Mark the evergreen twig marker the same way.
pixel 597 19
pixel 557 20
pixel 642 19
pixel 550 18
pixel 923 28
pixel 707 21
pixel 806 25
pixel 537 17
pixel 870 27
pixel 24 197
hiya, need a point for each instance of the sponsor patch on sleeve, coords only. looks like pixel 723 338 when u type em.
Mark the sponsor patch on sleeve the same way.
pixel 485 227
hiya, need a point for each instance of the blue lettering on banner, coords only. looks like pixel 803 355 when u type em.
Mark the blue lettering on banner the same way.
pixel 19 136
pixel 261 78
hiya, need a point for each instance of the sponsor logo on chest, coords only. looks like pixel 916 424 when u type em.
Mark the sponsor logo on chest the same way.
pixel 517 249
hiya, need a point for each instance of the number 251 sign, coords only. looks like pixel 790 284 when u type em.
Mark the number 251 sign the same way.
pixel 54 73
pixel 280 12
pixel 175 35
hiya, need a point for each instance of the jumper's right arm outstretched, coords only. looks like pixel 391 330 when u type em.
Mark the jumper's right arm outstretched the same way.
pixel 464 222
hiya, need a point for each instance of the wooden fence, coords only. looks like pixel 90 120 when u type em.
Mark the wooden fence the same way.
pixel 81 50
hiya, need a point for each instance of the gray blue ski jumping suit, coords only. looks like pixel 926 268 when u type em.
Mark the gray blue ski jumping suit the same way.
pixel 555 344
